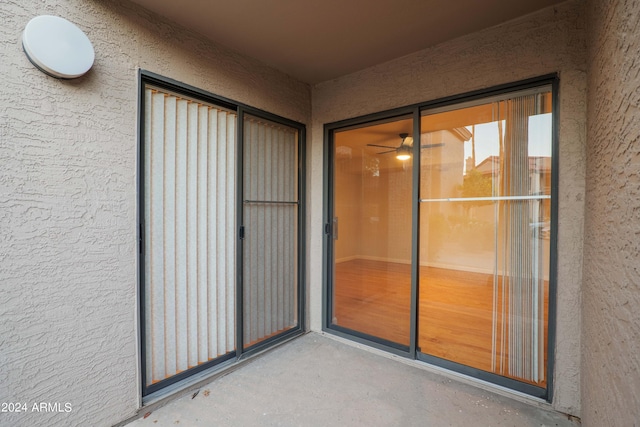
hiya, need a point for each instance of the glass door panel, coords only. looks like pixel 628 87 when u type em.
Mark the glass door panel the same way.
pixel 485 184
pixel 189 233
pixel 372 230
pixel 270 220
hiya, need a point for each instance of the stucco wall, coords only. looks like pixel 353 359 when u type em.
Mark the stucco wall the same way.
pixel 551 40
pixel 611 294
pixel 68 275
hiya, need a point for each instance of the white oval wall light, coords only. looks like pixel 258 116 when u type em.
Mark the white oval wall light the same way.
pixel 57 47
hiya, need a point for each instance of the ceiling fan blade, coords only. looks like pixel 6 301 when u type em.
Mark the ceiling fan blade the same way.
pixel 381 146
pixel 432 145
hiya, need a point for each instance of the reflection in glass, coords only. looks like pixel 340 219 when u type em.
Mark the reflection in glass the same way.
pixel 485 184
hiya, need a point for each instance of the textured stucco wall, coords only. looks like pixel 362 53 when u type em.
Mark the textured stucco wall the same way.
pixel 68 326
pixel 611 293
pixel 551 40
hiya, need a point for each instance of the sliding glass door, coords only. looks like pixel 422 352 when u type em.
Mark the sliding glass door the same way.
pixel 219 233
pixel 189 224
pixel 270 229
pixel 485 205
pixel 372 231
pixel 450 263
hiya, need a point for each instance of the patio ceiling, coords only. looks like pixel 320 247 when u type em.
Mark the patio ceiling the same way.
pixel 315 41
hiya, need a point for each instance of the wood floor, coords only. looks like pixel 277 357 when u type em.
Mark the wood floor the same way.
pixel 455 310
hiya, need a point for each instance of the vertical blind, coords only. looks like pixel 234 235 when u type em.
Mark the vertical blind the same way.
pixel 519 285
pixel 189 233
pixel 270 212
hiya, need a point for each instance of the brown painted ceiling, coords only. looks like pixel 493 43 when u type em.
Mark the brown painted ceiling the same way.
pixel 319 40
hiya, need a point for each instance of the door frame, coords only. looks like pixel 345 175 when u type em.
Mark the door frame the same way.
pixel 183 379
pixel 328 234
pixel 244 352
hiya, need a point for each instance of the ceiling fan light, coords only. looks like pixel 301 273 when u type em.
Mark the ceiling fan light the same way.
pixel 403 153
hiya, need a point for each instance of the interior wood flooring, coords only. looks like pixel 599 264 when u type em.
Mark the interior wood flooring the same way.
pixel 455 309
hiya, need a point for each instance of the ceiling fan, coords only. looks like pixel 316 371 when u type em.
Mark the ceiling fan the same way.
pixel 404 149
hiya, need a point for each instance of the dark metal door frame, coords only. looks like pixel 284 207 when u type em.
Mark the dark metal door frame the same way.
pixel 328 234
pixel 148 78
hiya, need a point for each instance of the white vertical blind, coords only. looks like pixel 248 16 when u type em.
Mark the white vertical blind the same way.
pixel 189 233
pixel 522 282
pixel 270 220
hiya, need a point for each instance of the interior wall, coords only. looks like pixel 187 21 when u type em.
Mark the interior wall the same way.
pixel 548 41
pixel 68 201
pixel 350 202
pixel 611 294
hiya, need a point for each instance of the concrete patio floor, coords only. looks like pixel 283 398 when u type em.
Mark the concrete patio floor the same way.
pixel 316 380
